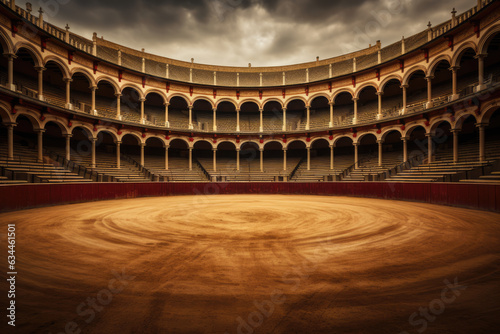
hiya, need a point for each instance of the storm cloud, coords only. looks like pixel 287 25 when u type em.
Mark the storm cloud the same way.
pixel 238 32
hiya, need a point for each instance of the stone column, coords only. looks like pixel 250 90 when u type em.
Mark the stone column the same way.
pixel 404 87
pixel 261 159
pixel 454 71
pixel 480 62
pixel 429 104
pixel 40 70
pixel 10 141
pixel 332 157
pixel 331 115
pixel 308 158
pixel 481 128
pixel 215 159
pixel 93 164
pixel 355 119
pixel 118 154
pixel 237 120
pixel 405 148
pixel 68 146
pixel 356 160
pixel 92 109
pixel 190 125
pixel 379 114
pixel 143 145
pixel 190 158
pixel 167 123
pixel 261 126
pixel 166 156
pixel 284 159
pixel 284 119
pixel 142 100
pixel 215 119
pixel 10 71
pixel 308 119
pixel 380 147
pixel 40 145
pixel 237 159
pixel 118 106
pixel 429 147
pixel 455 144
pixel 68 93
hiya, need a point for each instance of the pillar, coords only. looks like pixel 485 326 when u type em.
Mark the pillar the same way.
pixel 481 128
pixel 167 123
pixel 215 119
pixel 429 104
pixel 404 87
pixel 92 109
pixel 356 162
pixel 142 110
pixel 40 70
pixel 237 120
pixel 191 118
pixel 332 157
pixel 261 126
pixel 261 159
pixel 429 147
pixel 284 119
pixel 330 124
pixel 455 145
pixel 284 159
pixel 166 156
pixel 308 158
pixel 405 148
pixel 40 145
pixel 215 159
pixel 68 93
pixel 238 159
pixel 118 106
pixel 480 62
pixel 355 119
pixel 308 119
pixel 379 114
pixel 142 154
pixel 118 154
pixel 93 141
pixel 68 146
pixel 380 147
pixel 10 141
pixel 190 158
pixel 10 83
pixel 454 71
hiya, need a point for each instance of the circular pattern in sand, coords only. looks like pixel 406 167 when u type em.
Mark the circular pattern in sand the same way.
pixel 256 264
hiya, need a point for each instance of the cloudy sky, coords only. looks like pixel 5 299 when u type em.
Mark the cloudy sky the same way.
pixel 238 32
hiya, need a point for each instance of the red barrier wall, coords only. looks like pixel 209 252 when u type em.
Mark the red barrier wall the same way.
pixel 473 196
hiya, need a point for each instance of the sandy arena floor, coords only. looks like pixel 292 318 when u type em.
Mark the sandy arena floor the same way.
pixel 255 264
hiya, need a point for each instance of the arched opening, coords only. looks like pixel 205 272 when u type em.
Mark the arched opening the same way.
pixel 441 83
pixel 4 66
pixel 81 95
pixel 203 115
pixel 130 105
pixel 344 154
pixel 249 157
pixel 249 117
pixel 297 149
pixel 226 117
pixel 492 136
pixel 105 99
pixel 368 150
pixel 226 157
pixel 154 154
pixel 296 115
pixel 53 139
pixel 81 147
pixel 272 117
pixel 392 149
pixel 491 62
pixel 154 109
pixel 25 74
pixel 416 93
pixel 466 72
pixel 54 87
pixel 178 155
pixel 392 100
pixel 203 153
pixel 273 157
pixel 178 113
pixel 320 113
pixel 320 155
pixel 417 142
pixel 25 140
pixel 367 104
pixel 343 111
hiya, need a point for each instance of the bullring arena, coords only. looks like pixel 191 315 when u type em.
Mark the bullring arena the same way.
pixel 356 194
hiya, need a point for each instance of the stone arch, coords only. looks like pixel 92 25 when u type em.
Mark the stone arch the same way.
pixel 337 138
pixel 157 137
pixel 249 101
pixel 315 96
pixel 5 114
pixel 183 139
pixel 388 79
pixel 436 122
pixel 313 140
pixel 228 101
pixel 460 119
pixel 6 42
pixel 390 129
pixel 85 73
pixel 457 56
pixel 203 98
pixel 182 96
pixel 273 141
pixel 294 140
pixel 487 36
pixel 156 91
pixel 412 126
pixel 33 117
pixel 340 91
pixel 134 87
pixel 112 133
pixel 37 57
pixel 272 99
pixel 227 141
pixel 360 136
pixel 411 71
pixel 487 111
pixel 134 134
pixel 111 82
pixel 58 121
pixel 433 65
pixel 62 66
pixel 199 140
pixel 291 99
pixel 358 91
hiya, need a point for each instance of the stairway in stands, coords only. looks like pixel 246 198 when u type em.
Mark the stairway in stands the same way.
pixel 178 169
pixel 368 166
